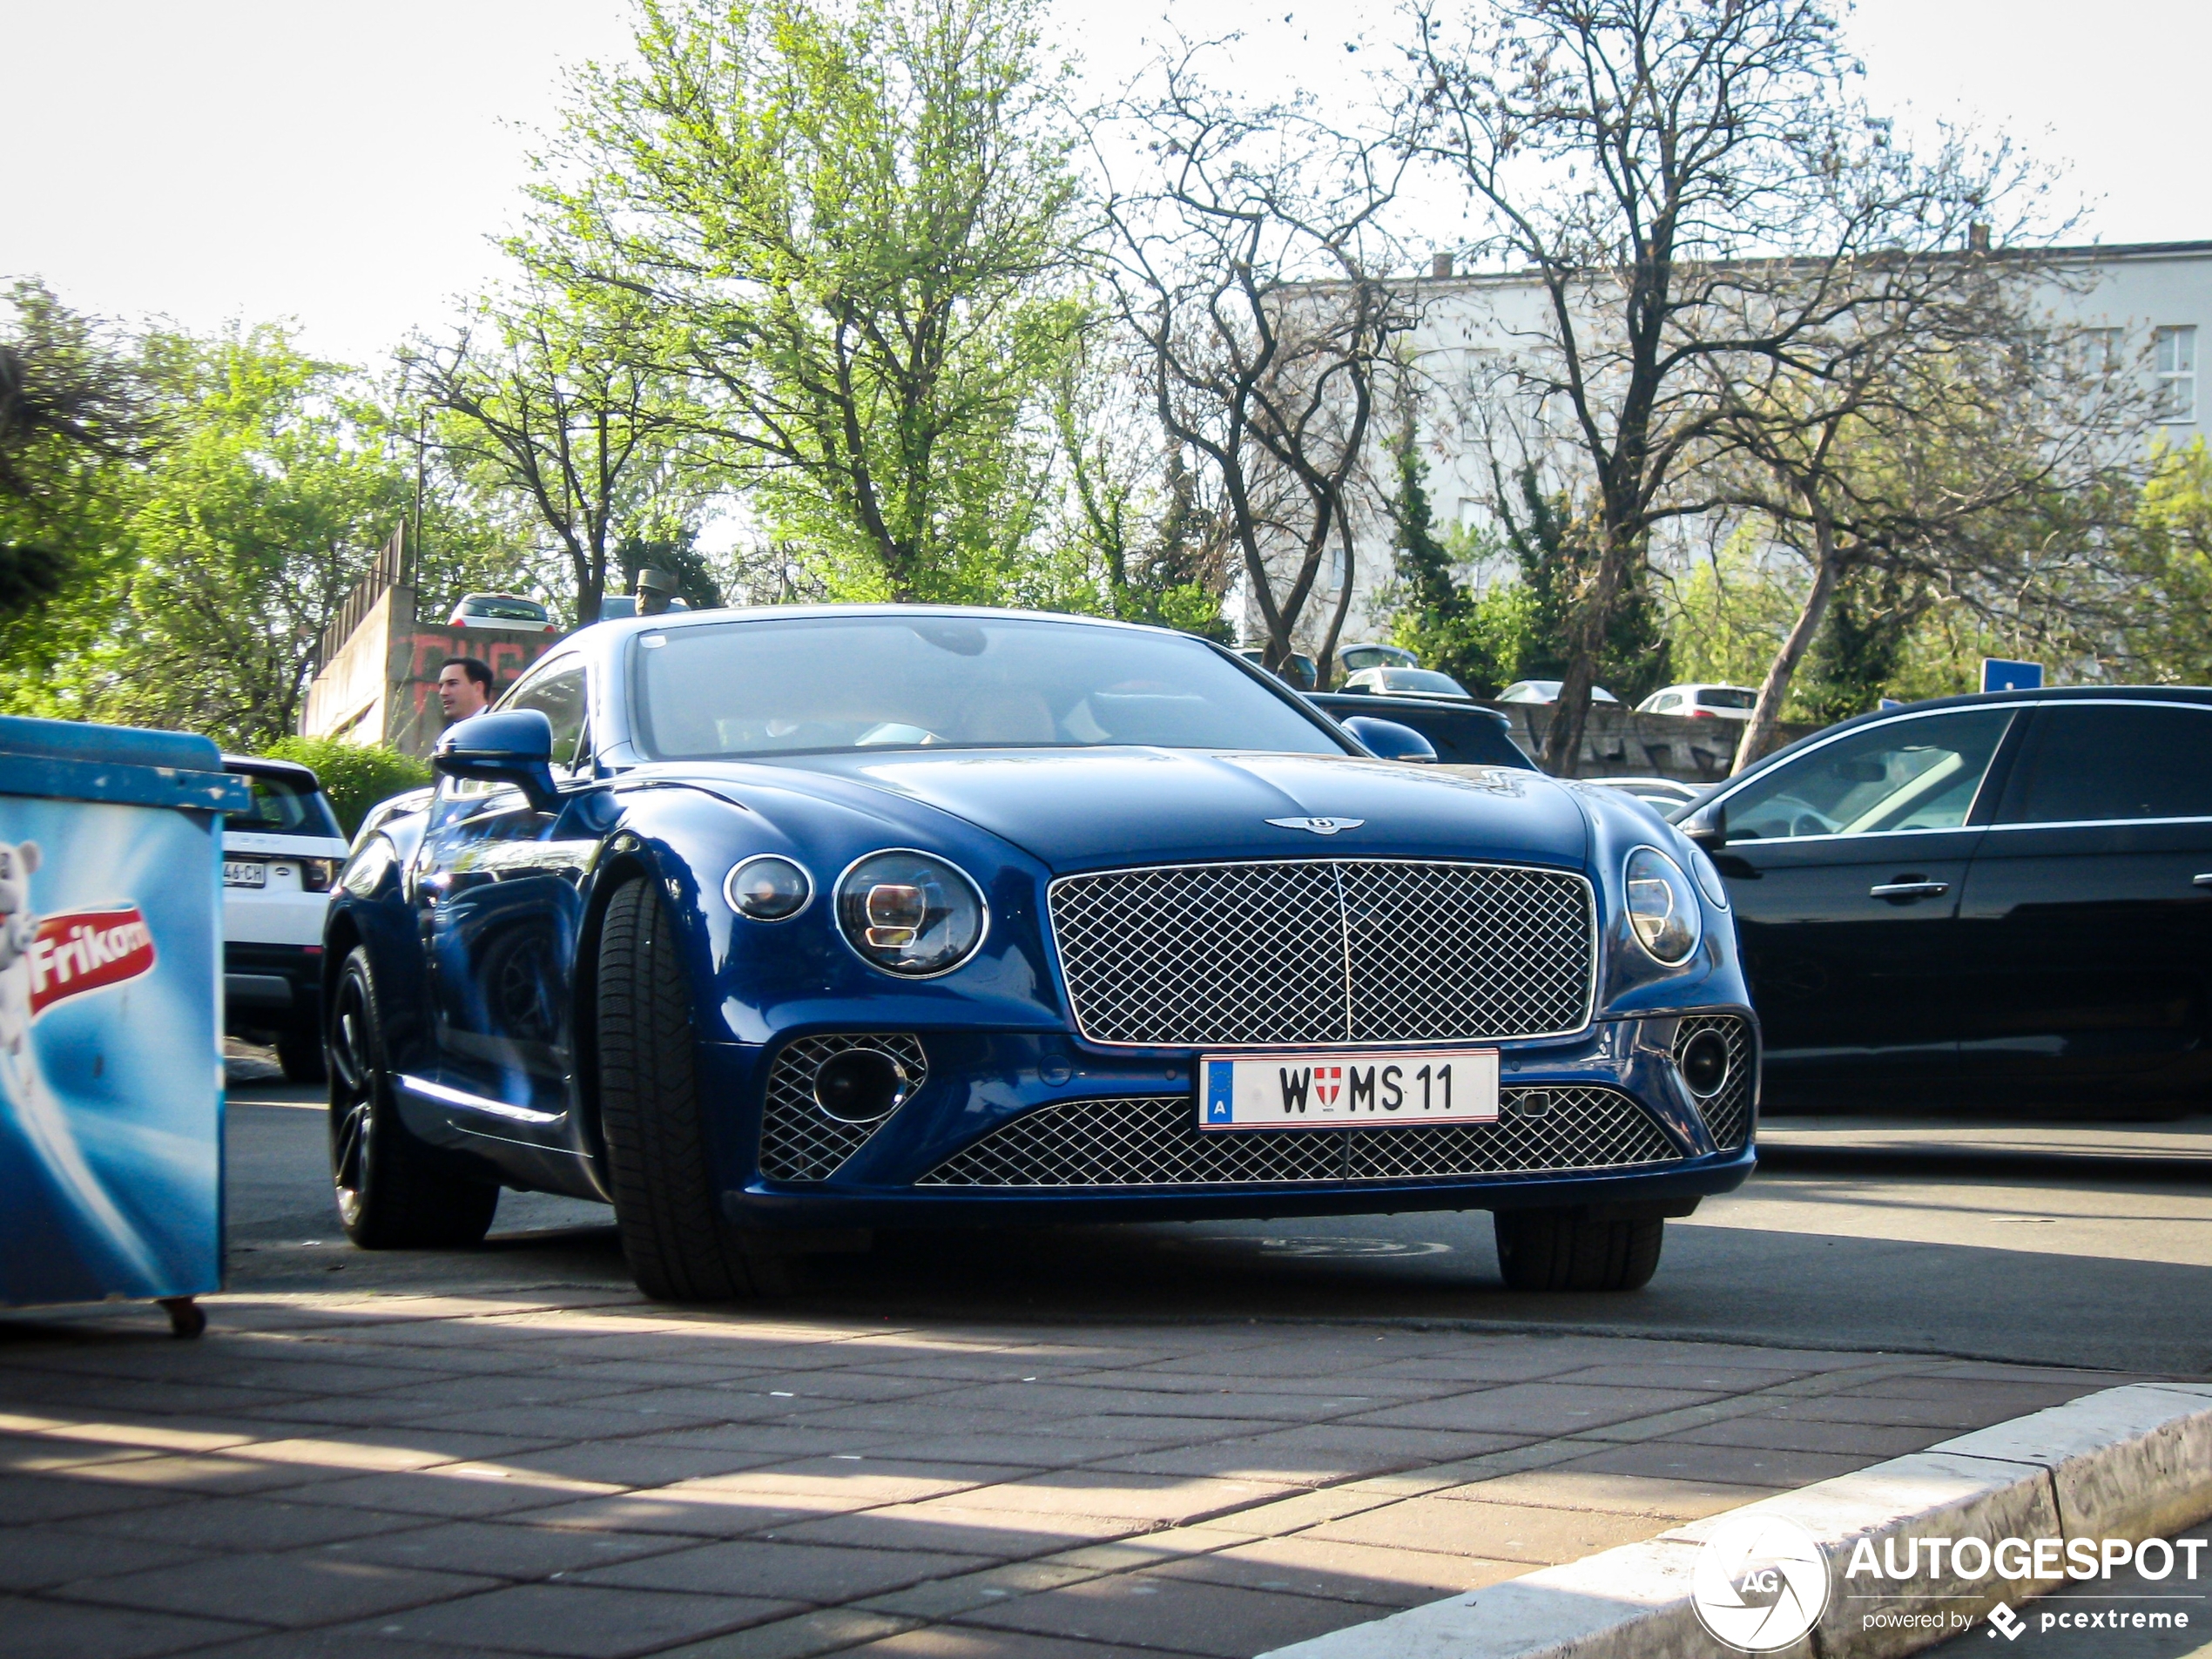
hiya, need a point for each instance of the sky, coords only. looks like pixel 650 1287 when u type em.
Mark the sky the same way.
pixel 347 166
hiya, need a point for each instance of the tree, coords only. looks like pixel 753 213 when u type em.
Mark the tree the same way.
pixel 1644 159
pixel 1515 629
pixel 1251 267
pixel 76 413
pixel 1911 441
pixel 851 225
pixel 561 404
pixel 240 538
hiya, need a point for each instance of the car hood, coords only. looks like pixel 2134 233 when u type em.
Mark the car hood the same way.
pixel 1091 808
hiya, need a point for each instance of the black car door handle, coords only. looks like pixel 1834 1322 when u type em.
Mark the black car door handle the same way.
pixel 1909 890
pixel 2204 880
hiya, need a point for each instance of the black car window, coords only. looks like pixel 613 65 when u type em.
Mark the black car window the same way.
pixel 2089 762
pixel 283 805
pixel 817 684
pixel 1911 774
pixel 559 696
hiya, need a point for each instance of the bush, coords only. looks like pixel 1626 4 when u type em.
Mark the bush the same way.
pixel 355 776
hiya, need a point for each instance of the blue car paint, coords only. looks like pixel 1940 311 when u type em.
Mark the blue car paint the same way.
pixel 516 1104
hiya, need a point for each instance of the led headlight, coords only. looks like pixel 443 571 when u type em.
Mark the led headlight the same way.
pixel 910 913
pixel 1663 906
pixel 767 889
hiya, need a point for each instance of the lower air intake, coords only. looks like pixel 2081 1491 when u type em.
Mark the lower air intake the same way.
pixel 1153 1141
pixel 799 1140
pixel 1728 1111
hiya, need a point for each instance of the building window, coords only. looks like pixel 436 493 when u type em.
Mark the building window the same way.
pixel 2103 348
pixel 2174 352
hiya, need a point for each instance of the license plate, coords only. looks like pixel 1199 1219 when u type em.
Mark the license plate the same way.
pixel 244 872
pixel 1384 1089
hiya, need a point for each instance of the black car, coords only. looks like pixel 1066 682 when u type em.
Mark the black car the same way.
pixel 1462 734
pixel 1997 900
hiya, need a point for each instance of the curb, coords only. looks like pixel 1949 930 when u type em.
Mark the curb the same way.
pixel 2132 1462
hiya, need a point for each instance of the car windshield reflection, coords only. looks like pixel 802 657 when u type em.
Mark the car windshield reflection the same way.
pixel 867 682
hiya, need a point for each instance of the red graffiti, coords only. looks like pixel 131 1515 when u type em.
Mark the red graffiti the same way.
pixel 87 950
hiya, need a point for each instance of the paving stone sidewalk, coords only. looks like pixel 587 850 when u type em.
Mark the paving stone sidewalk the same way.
pixel 577 1472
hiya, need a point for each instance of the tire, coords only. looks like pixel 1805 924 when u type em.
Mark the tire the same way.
pixel 392 1194
pixel 660 1166
pixel 299 1052
pixel 1566 1250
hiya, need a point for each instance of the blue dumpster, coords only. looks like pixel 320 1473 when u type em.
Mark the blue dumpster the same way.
pixel 111 1063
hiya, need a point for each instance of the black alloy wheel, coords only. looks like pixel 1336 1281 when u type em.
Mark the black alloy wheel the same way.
pixel 1569 1250
pixel 660 1165
pixel 392 1193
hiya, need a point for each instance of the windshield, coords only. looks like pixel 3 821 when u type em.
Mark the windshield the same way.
pixel 1723 697
pixel 282 807
pixel 1420 680
pixel 818 684
pixel 509 610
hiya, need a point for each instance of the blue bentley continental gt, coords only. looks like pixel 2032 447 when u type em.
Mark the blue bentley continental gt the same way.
pixel 759 924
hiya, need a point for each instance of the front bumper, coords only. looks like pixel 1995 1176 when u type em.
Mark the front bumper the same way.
pixel 271 987
pixel 1008 1125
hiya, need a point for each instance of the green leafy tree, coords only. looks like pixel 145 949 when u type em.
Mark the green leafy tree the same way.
pixel 851 225
pixel 242 537
pixel 355 776
pixel 76 412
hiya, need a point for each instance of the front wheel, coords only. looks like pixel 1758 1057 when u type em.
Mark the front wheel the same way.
pixel 392 1193
pixel 1567 1249
pixel 659 1163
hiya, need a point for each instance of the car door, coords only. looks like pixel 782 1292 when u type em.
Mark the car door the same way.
pixel 498 901
pixel 2088 910
pixel 1845 866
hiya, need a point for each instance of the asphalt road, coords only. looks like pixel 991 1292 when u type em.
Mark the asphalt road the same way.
pixel 2042 1244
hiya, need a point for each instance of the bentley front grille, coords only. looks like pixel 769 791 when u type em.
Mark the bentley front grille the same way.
pixel 1153 1141
pixel 1324 951
pixel 799 1140
pixel 1727 1113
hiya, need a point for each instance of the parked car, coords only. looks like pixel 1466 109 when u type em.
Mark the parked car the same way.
pixel 861 916
pixel 1300 670
pixel 1548 692
pixel 508 612
pixel 1701 702
pixel 1406 682
pixel 1352 658
pixel 279 860
pixel 2002 898
pixel 1665 794
pixel 1462 735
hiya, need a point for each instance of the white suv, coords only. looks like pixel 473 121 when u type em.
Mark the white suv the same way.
pixel 280 857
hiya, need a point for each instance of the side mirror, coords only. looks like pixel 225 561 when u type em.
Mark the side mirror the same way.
pixel 1388 741
pixel 513 746
pixel 1707 827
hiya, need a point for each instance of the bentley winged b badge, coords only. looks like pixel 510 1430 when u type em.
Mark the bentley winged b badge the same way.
pixel 1319 826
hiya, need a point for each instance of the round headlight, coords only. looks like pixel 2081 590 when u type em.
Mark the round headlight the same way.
pixel 1663 906
pixel 910 913
pixel 767 889
pixel 1708 877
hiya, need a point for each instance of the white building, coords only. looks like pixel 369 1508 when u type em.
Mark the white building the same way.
pixel 2153 298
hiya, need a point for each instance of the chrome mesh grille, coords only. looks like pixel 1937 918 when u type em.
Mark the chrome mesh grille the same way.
pixel 1324 951
pixel 1728 1114
pixel 798 1141
pixel 1153 1141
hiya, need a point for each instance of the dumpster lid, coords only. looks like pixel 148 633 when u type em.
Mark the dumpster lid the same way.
pixel 77 760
